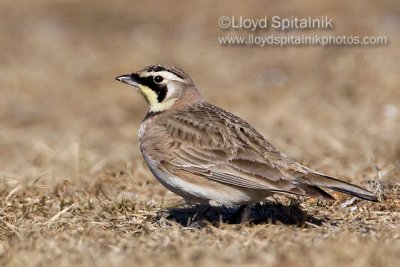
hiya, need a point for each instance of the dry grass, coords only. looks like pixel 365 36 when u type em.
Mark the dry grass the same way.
pixel 75 191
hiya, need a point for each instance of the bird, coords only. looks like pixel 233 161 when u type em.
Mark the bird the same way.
pixel 212 157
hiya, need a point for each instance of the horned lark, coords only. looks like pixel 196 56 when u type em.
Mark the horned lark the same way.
pixel 210 156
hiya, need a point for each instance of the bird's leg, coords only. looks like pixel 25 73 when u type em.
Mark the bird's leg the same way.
pixel 242 215
pixel 198 216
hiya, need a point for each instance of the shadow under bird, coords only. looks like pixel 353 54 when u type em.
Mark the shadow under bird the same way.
pixel 210 156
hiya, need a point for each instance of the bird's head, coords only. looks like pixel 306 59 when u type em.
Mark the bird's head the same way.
pixel 162 86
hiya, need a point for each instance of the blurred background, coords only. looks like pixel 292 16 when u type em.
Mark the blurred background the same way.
pixel 74 189
pixel 64 117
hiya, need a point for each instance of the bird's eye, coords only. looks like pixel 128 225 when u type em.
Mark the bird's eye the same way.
pixel 158 79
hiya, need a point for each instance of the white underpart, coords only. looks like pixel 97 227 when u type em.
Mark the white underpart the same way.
pixel 196 193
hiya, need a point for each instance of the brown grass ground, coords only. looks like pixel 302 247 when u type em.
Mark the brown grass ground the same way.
pixel 75 191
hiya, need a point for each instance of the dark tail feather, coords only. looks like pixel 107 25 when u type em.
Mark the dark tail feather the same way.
pixel 315 191
pixel 337 185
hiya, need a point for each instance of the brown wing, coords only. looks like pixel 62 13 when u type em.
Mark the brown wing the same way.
pixel 209 142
